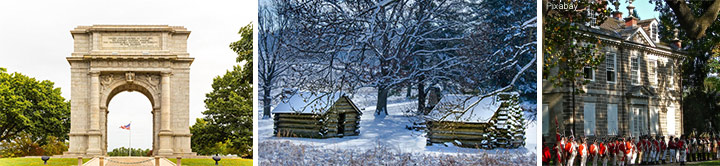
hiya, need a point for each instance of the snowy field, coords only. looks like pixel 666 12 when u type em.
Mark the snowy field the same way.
pixel 388 140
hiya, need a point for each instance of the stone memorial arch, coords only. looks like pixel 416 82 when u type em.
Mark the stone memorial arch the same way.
pixel 150 59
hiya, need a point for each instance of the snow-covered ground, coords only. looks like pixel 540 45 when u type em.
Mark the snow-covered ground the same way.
pixel 389 133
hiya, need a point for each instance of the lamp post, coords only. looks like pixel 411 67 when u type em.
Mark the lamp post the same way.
pixel 45 159
pixel 216 158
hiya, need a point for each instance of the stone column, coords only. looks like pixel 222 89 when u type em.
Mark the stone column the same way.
pixel 165 106
pixel 165 131
pixel 94 134
pixel 94 100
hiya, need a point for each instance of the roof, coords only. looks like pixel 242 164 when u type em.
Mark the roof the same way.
pixel 309 103
pixel 452 108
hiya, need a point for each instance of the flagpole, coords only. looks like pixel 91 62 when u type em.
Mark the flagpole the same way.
pixel 130 140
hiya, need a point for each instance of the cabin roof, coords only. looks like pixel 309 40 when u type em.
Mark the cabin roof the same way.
pixel 310 103
pixel 451 108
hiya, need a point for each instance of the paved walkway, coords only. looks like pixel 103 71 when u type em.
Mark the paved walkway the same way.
pixel 126 161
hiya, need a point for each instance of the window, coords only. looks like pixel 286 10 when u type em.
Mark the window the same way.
pixel 653 73
pixel 610 67
pixel 589 73
pixel 670 120
pixel 635 70
pixel 671 77
pixel 654 32
pixel 545 119
pixel 589 118
pixel 612 119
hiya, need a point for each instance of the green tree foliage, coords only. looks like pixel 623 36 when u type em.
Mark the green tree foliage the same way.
pixel 123 151
pixel 700 94
pixel 227 126
pixel 566 49
pixel 32 106
pixel 25 144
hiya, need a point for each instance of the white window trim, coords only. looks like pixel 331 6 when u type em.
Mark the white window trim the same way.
pixel 654 32
pixel 653 67
pixel 546 119
pixel 639 78
pixel 671 76
pixel 614 67
pixel 592 74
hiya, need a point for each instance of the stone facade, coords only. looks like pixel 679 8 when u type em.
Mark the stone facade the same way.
pixel 636 91
pixel 150 59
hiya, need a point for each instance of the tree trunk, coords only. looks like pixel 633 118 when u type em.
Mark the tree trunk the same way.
pixel 381 107
pixel 409 90
pixel 266 103
pixel 573 107
pixel 421 97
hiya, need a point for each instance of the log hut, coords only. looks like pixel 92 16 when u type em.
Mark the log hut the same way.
pixel 468 121
pixel 316 115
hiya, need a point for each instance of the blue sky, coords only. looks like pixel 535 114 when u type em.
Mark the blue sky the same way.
pixel 645 9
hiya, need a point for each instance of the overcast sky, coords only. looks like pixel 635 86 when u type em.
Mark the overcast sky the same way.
pixel 35 39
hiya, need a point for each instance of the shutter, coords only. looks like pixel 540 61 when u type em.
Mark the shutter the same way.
pixel 545 119
pixel 589 118
pixel 612 119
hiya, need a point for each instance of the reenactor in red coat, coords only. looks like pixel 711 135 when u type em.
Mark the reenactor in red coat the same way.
pixel 583 151
pixel 593 152
pixel 571 148
pixel 602 151
pixel 663 150
pixel 672 150
pixel 683 149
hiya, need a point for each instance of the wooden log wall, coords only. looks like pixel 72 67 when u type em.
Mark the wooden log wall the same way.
pixel 504 130
pixel 318 125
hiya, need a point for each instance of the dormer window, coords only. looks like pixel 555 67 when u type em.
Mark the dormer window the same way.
pixel 654 32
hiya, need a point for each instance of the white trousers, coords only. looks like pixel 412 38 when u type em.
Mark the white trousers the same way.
pixel 605 160
pixel 595 159
pixel 583 160
pixel 683 156
pixel 672 157
pixel 571 160
pixel 628 158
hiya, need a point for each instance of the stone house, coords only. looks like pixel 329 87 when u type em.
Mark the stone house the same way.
pixel 636 91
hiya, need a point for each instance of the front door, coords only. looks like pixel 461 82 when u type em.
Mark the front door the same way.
pixel 341 124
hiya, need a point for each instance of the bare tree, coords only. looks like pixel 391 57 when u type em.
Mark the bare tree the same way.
pixel 273 58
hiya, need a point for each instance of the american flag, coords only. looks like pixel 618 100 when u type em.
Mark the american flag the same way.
pixel 126 127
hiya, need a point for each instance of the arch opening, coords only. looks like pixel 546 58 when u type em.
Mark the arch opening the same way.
pixel 134 108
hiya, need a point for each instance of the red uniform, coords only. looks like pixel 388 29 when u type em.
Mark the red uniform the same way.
pixel 568 147
pixel 601 150
pixel 581 148
pixel 628 147
pixel 546 154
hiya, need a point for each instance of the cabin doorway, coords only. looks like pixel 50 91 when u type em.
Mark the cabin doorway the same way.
pixel 341 125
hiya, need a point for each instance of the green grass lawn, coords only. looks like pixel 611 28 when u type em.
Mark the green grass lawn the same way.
pixel 204 162
pixel 39 162
pixel 713 162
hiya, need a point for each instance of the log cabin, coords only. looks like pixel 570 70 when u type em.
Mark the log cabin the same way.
pixel 316 115
pixel 469 121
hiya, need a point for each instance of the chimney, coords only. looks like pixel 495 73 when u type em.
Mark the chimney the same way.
pixel 676 41
pixel 617 14
pixel 630 21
